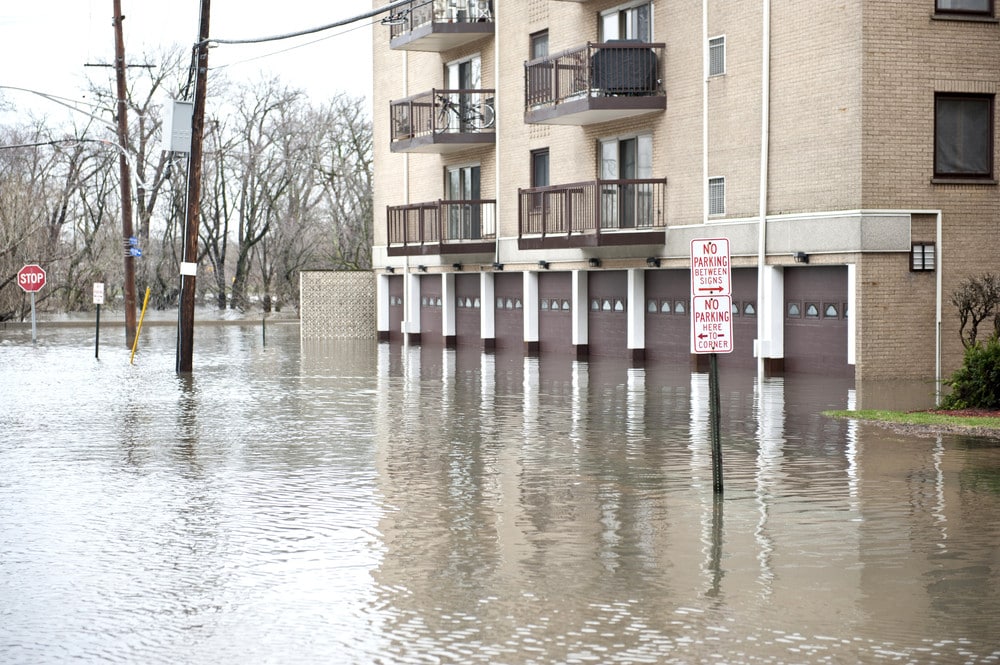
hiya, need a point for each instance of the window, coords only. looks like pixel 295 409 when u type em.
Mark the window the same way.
pixel 716 56
pixel 539 43
pixel 972 7
pixel 631 22
pixel 963 136
pixel 626 204
pixel 461 183
pixel 540 168
pixel 716 196
pixel 922 256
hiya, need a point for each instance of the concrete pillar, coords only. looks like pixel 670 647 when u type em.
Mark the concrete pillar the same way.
pixel 581 307
pixel 770 344
pixel 852 314
pixel 382 307
pixel 487 311
pixel 448 309
pixel 530 312
pixel 411 307
pixel 635 311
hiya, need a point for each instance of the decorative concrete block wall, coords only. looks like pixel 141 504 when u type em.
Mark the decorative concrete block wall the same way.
pixel 337 304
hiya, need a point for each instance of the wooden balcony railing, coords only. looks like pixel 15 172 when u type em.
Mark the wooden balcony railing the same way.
pixel 616 68
pixel 442 222
pixel 408 17
pixel 443 112
pixel 592 207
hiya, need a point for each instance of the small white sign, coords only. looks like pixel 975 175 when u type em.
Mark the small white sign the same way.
pixel 98 293
pixel 711 274
pixel 711 324
pixel 189 269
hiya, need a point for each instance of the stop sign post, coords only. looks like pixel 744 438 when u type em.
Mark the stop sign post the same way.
pixel 31 278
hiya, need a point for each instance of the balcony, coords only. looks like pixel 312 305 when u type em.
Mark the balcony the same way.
pixel 440 25
pixel 595 83
pixel 442 121
pixel 593 214
pixel 442 227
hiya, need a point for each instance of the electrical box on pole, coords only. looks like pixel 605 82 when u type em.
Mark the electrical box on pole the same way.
pixel 177 126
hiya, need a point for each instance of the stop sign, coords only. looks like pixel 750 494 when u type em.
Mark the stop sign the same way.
pixel 31 278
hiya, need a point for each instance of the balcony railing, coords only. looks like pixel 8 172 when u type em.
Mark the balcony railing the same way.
pixel 432 121
pixel 439 25
pixel 600 212
pixel 442 227
pixel 606 81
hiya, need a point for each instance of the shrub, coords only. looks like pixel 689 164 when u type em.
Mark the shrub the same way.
pixel 976 385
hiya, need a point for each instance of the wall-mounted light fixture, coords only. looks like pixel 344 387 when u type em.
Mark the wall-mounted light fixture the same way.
pixel 390 269
pixel 422 268
pixel 653 262
pixel 456 266
pixel 594 262
pixel 801 257
pixel 497 265
pixel 922 256
pixel 543 265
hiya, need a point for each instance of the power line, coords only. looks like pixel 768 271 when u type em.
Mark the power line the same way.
pixel 309 31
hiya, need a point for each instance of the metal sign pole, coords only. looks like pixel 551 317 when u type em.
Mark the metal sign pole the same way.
pixel 34 334
pixel 714 417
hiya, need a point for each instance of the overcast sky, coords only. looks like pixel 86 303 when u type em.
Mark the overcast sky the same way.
pixel 45 44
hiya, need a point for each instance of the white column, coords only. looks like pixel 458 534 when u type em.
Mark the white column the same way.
pixel 772 314
pixel 382 303
pixel 530 312
pixel 852 313
pixel 448 305
pixel 411 303
pixel 635 310
pixel 581 305
pixel 487 309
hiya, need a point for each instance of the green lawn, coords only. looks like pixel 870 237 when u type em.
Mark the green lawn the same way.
pixel 929 419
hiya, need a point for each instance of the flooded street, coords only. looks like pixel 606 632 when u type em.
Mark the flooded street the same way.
pixel 350 502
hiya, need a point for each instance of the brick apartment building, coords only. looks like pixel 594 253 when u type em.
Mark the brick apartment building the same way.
pixel 542 166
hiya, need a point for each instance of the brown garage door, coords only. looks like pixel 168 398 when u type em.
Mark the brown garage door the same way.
pixel 509 303
pixel 816 320
pixel 606 317
pixel 555 316
pixel 396 308
pixel 467 309
pixel 430 310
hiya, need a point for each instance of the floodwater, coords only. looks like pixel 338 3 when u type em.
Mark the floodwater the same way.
pixel 350 502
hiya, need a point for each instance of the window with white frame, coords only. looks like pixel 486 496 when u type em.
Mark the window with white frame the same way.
pixel 717 56
pixel 717 196
pixel 631 21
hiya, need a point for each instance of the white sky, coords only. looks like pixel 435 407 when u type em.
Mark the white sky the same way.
pixel 44 44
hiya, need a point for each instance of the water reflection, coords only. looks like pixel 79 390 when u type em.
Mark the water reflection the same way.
pixel 337 501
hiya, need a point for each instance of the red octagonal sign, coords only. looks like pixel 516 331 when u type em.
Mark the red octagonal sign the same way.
pixel 31 278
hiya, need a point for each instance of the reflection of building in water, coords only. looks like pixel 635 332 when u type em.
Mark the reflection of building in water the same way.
pixel 560 504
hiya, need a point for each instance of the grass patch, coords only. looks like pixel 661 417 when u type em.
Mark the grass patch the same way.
pixel 930 419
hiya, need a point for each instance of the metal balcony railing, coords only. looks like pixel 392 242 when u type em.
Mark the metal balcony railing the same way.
pixel 592 207
pixel 616 68
pixel 443 111
pixel 442 222
pixel 418 13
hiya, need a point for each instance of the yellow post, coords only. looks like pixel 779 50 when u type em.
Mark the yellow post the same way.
pixel 142 315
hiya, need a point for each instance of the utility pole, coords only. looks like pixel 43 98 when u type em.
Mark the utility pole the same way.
pixel 189 255
pixel 126 183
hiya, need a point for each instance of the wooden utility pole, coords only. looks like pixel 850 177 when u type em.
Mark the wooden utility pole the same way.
pixel 126 181
pixel 189 255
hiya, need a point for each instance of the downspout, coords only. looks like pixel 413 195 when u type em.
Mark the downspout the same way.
pixel 704 110
pixel 937 327
pixel 406 155
pixel 765 113
pixel 497 134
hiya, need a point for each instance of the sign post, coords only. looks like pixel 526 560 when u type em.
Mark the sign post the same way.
pixel 31 278
pixel 98 300
pixel 712 326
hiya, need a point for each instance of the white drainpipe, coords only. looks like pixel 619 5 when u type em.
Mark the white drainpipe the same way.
pixel 765 113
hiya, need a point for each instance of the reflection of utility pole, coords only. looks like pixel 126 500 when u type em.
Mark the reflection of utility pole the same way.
pixel 189 255
pixel 126 185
